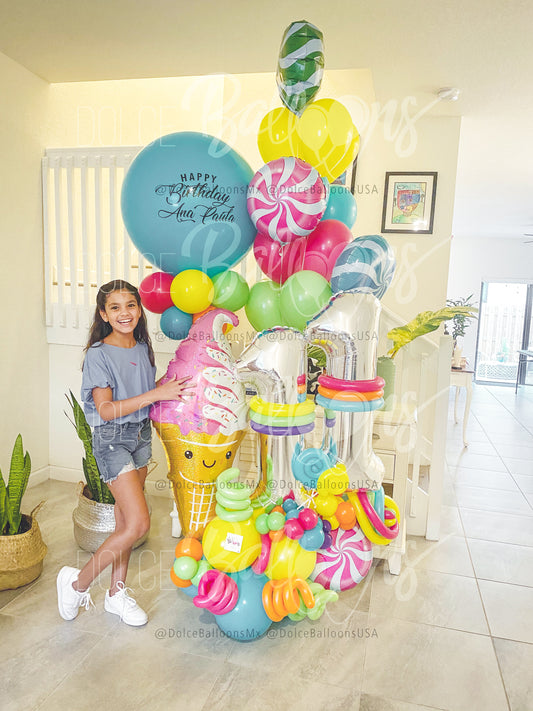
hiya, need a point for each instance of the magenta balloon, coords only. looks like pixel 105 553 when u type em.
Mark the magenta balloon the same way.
pixel 276 261
pixel 324 246
pixel 155 292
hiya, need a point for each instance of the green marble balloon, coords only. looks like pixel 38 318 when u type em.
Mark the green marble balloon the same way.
pixel 300 65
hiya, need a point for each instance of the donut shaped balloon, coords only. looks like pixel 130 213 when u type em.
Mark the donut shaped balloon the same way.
pixel 365 265
pixel 286 199
pixel 346 562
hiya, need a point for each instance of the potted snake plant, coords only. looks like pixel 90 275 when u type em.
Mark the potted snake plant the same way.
pixel 94 516
pixel 22 549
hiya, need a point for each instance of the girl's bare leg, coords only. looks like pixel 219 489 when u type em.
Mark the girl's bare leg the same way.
pixel 119 568
pixel 134 521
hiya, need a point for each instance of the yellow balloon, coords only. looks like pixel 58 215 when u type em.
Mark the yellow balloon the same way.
pixel 289 559
pixel 334 522
pixel 326 504
pixel 328 139
pixel 333 481
pixel 277 134
pixel 231 545
pixel 192 291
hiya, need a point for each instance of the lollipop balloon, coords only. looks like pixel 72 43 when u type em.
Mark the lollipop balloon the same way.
pixel 286 199
pixel 300 65
pixel 366 265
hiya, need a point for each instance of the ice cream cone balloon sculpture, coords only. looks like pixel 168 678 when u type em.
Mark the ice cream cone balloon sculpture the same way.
pixel 202 432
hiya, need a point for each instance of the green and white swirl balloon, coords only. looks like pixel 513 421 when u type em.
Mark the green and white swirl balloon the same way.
pixel 300 65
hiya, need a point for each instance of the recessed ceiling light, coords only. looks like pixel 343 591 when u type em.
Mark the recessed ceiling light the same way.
pixel 448 93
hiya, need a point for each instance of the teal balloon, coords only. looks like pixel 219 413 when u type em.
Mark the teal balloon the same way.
pixel 190 591
pixel 263 306
pixel 341 206
pixel 303 295
pixel 231 291
pixel 184 204
pixel 175 323
pixel 248 619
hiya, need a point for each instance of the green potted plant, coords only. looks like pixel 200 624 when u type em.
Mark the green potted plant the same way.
pixel 460 323
pixel 94 516
pixel 22 549
pixel 423 323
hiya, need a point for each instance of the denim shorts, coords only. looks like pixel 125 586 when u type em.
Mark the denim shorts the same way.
pixel 121 447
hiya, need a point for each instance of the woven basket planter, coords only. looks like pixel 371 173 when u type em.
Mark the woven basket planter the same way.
pixel 22 555
pixel 94 522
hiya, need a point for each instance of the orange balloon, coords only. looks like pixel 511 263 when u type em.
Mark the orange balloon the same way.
pixel 179 582
pixel 278 508
pixel 190 547
pixel 276 535
pixel 345 515
pixel 349 395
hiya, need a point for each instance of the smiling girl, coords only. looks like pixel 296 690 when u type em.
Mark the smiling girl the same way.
pixel 118 388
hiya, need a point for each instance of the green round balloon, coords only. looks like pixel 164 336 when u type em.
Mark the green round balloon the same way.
pixel 231 291
pixel 185 567
pixel 303 295
pixel 261 524
pixel 263 306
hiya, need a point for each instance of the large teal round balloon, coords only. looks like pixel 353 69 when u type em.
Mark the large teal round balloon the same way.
pixel 184 204
pixel 248 619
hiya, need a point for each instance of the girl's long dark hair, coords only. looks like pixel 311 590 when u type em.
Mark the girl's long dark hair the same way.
pixel 100 328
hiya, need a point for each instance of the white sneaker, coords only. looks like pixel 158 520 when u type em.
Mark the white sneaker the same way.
pixel 69 600
pixel 125 607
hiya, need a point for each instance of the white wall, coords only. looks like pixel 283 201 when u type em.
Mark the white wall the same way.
pixel 24 352
pixel 474 260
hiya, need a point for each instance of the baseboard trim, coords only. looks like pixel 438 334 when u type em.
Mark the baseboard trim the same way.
pixel 39 476
pixel 159 487
pixel 154 487
pixel 65 474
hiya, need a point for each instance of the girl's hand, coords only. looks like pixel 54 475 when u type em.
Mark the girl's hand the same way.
pixel 174 389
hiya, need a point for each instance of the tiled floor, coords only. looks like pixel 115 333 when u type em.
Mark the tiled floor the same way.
pixel 453 631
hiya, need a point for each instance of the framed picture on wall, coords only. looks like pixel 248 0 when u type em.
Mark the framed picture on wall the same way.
pixel 409 203
pixel 348 177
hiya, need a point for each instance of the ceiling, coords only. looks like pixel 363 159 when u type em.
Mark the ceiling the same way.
pixel 483 47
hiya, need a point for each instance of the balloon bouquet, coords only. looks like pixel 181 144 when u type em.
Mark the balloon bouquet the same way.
pixel 193 207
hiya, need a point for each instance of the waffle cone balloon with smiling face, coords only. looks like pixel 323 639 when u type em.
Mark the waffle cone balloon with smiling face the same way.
pixel 202 432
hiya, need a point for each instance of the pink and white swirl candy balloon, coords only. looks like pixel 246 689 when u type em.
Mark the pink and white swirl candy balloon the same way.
pixel 286 199
pixel 346 562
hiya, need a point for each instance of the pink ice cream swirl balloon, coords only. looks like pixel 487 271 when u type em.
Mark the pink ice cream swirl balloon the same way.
pixel 218 404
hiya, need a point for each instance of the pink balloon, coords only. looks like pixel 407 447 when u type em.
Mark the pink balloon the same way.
pixel 155 292
pixel 286 199
pixel 276 261
pixel 324 246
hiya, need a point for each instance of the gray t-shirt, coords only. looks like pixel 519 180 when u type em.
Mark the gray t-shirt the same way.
pixel 127 371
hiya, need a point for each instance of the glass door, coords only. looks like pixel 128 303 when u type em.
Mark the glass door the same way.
pixel 504 323
pixel 527 372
